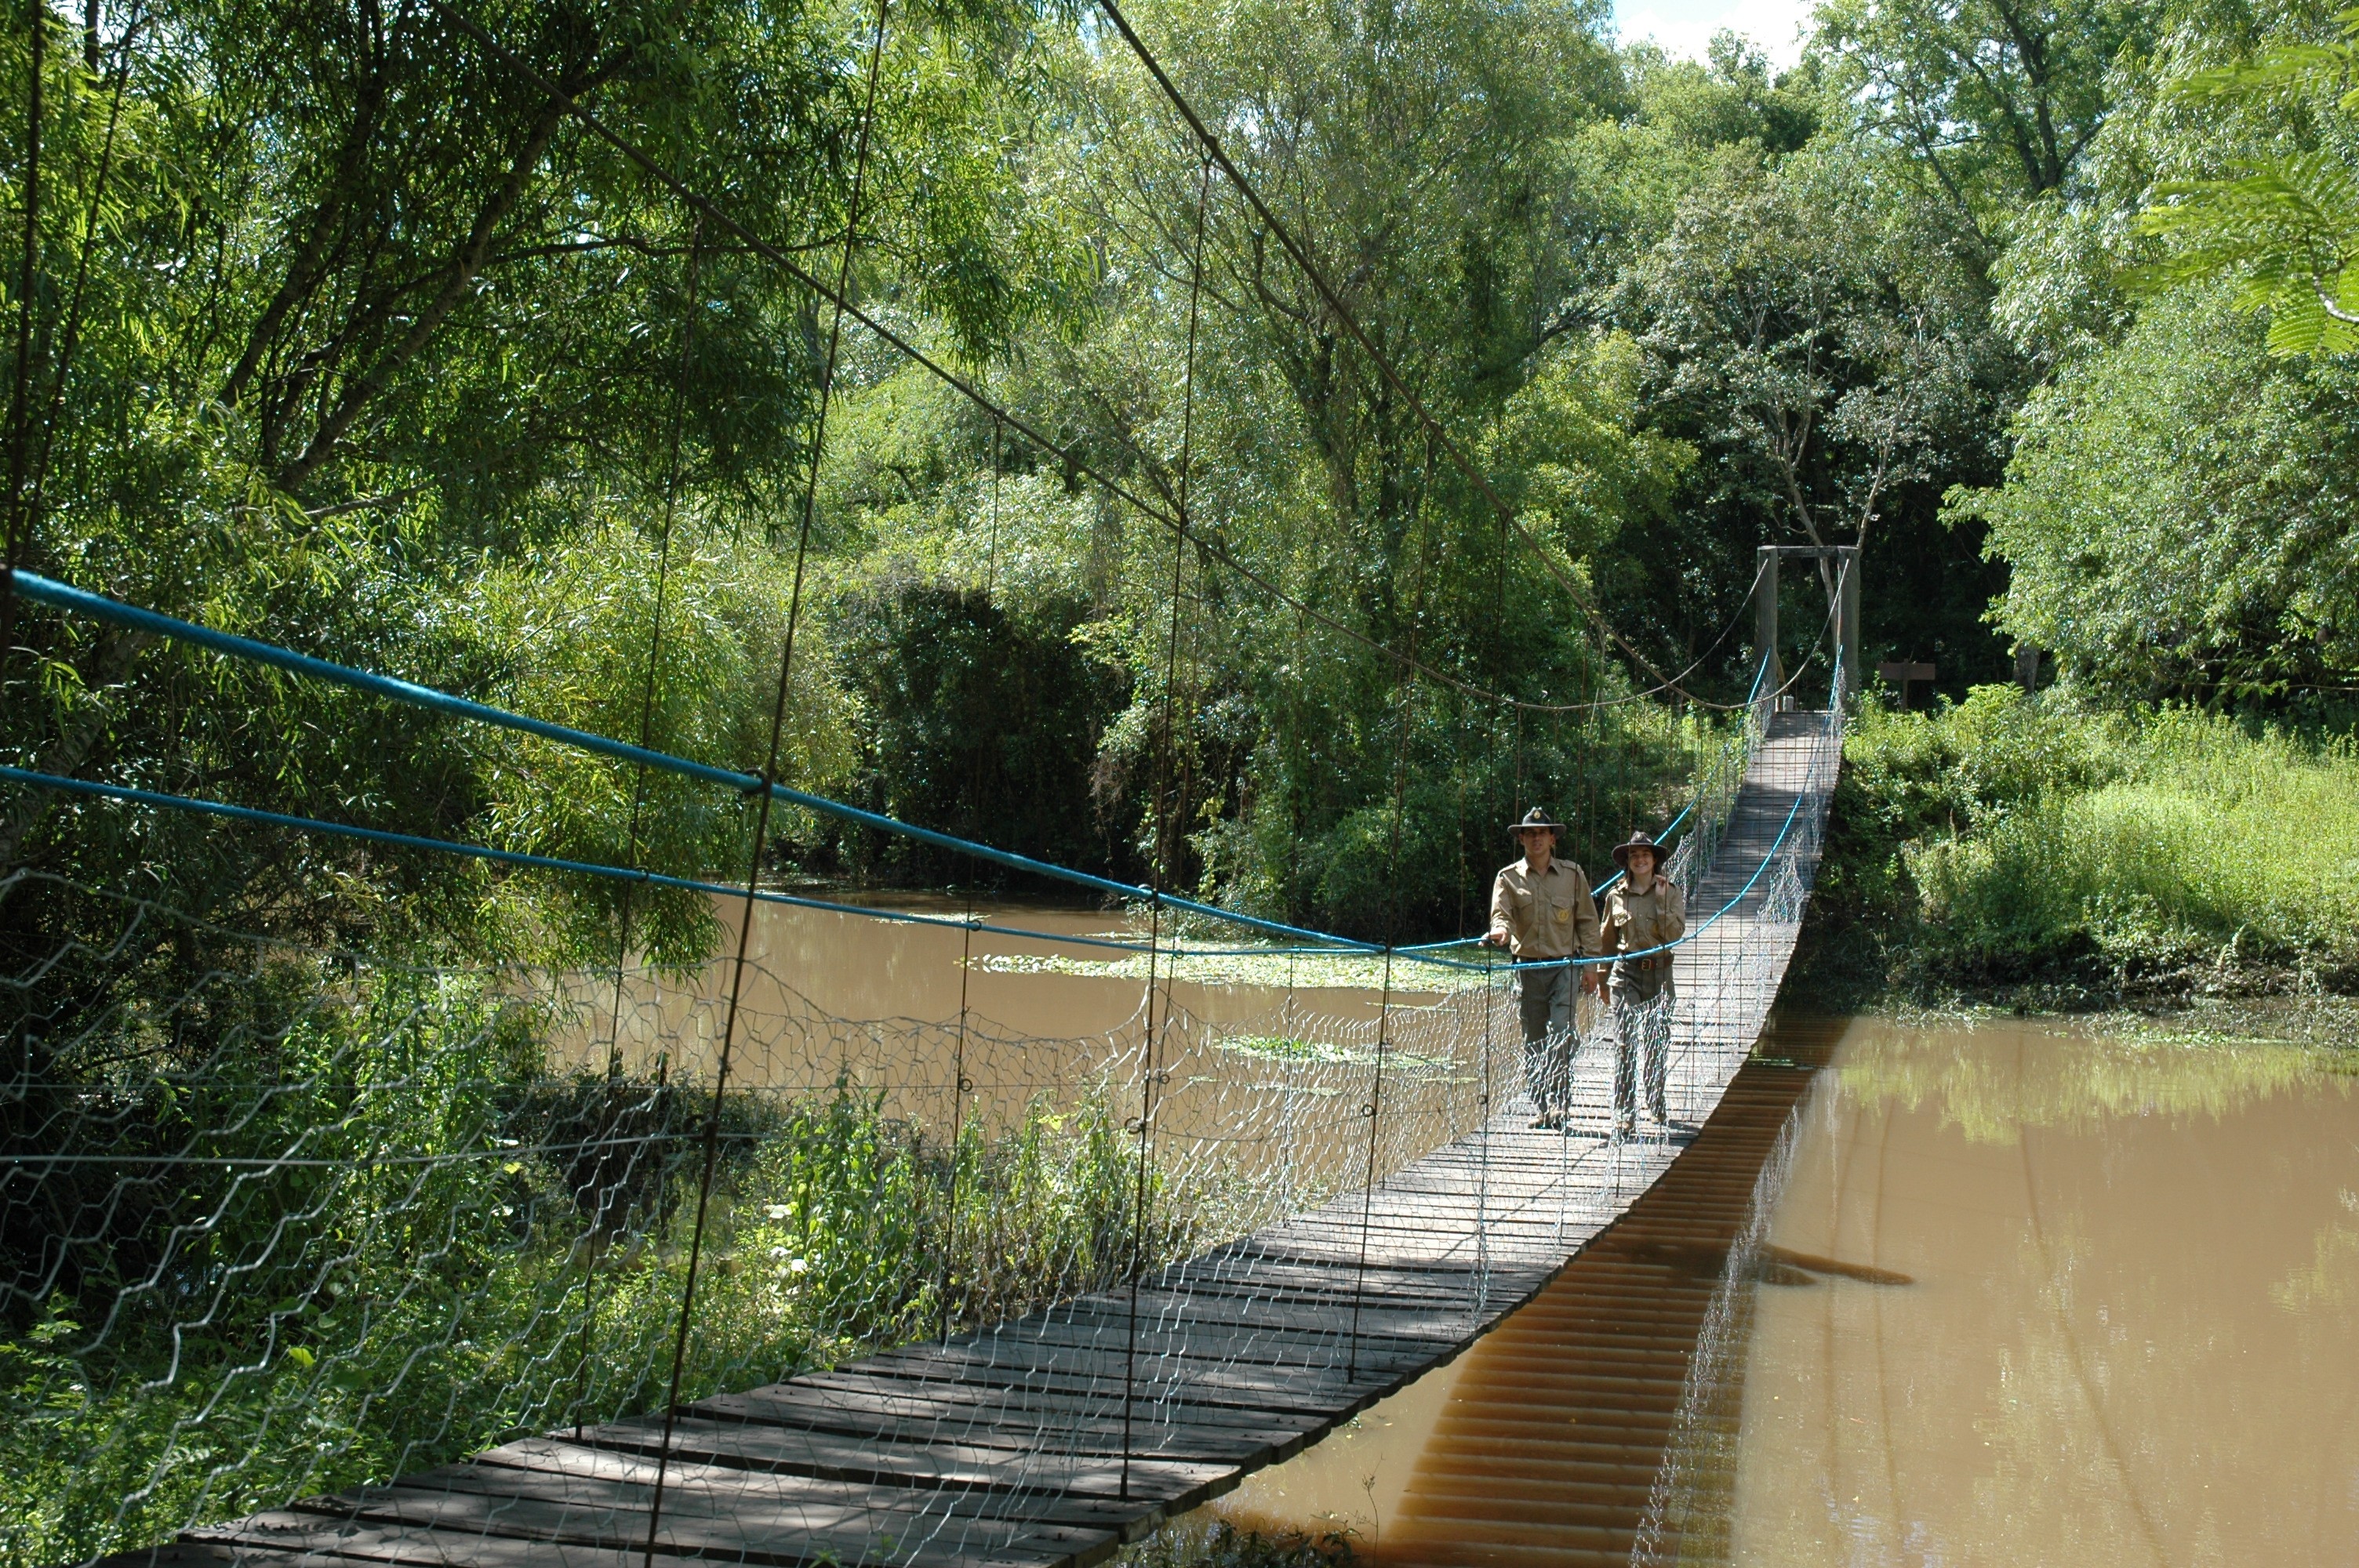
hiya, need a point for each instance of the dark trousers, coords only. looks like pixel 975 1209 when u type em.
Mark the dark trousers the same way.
pixel 1546 996
pixel 1642 1027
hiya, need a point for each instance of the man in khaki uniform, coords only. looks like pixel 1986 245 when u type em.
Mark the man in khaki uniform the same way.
pixel 1643 915
pixel 1541 911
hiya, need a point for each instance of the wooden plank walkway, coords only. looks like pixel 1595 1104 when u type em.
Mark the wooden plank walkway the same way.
pixel 1016 1445
pixel 1547 1452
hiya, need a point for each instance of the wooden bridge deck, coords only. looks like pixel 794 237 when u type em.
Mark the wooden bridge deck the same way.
pixel 1009 1445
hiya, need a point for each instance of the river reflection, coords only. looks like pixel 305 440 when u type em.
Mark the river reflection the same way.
pixel 2033 1296
pixel 2133 1335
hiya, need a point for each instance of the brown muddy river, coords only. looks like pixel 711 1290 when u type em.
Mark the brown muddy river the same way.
pixel 2130 1334
pixel 2133 1336
pixel 1258 1065
pixel 856 968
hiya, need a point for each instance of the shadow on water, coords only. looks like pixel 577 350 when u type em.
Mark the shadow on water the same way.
pixel 1980 1292
pixel 1784 1266
pixel 1544 1442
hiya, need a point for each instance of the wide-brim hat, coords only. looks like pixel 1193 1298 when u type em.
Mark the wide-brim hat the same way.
pixel 1535 817
pixel 1638 841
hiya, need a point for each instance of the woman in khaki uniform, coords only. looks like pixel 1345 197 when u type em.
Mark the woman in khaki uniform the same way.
pixel 1644 912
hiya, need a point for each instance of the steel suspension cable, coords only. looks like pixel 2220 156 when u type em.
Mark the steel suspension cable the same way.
pixel 769 773
pixel 70 338
pixel 37 13
pixel 1165 809
pixel 960 1089
pixel 655 643
pixel 1392 922
pixel 630 858
pixel 990 556
pixel 1359 334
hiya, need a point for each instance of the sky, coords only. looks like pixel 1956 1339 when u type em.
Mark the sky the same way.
pixel 1684 26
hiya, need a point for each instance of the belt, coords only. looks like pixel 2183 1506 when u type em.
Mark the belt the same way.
pixel 1662 961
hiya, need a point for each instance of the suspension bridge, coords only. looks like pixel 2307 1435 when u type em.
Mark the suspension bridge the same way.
pixel 790 1285
pixel 1057 1434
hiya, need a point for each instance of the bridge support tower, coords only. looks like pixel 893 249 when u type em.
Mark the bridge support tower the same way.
pixel 1842 560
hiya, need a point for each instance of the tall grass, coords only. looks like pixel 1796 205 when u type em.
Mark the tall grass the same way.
pixel 467 1249
pixel 2003 840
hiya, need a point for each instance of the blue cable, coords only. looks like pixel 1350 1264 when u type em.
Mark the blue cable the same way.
pixel 62 596
pixel 222 809
pixel 65 596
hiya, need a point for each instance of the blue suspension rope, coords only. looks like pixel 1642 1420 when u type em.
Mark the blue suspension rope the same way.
pixel 62 596
pixel 224 810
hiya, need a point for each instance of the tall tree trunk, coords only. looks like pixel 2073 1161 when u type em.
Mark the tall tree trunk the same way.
pixel 458 283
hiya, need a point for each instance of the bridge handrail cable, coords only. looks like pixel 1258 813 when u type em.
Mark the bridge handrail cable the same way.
pixel 64 596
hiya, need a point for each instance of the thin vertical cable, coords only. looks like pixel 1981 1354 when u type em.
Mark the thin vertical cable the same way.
pixel 959 1089
pixel 638 806
pixel 37 14
pixel 1165 810
pixel 655 639
pixel 1373 1112
pixel 769 773
pixel 69 337
pixel 1286 1131
pixel 1458 778
pixel 1374 1109
pixel 1483 1169
pixel 1149 1055
pixel 1516 810
pixel 991 558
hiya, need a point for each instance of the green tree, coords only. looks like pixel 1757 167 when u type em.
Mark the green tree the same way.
pixel 344 333
pixel 1818 336
pixel 1996 99
pixel 2177 518
pixel 2285 223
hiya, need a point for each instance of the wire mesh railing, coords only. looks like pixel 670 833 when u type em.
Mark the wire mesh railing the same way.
pixel 281 1220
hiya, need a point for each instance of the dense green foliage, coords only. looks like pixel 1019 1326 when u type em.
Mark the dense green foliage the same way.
pixel 335 328
pixel 341 330
pixel 2176 514
pixel 376 1250
pixel 2179 512
pixel 2005 843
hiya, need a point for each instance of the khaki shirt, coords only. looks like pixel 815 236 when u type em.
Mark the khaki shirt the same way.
pixel 1635 922
pixel 1548 917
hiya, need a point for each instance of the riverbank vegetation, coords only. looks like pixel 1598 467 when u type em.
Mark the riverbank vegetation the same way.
pixel 341 331
pixel 2085 855
pixel 375 1232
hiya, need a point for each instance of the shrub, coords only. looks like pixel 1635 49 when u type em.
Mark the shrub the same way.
pixel 2003 840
